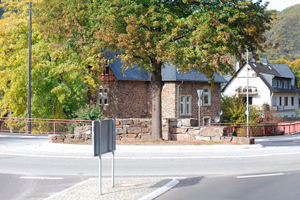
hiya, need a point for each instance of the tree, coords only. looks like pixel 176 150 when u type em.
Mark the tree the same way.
pixel 60 78
pixel 191 34
pixel 234 109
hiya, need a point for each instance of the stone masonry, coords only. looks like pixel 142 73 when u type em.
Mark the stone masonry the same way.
pixel 138 129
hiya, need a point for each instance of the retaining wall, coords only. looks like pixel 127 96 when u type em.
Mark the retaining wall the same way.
pixel 137 129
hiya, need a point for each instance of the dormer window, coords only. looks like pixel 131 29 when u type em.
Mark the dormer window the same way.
pixel 286 84
pixel 279 83
pixel 274 83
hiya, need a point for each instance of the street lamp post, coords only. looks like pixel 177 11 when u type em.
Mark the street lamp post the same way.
pixel 247 96
pixel 29 72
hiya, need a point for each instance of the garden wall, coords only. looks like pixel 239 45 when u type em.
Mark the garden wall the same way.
pixel 137 129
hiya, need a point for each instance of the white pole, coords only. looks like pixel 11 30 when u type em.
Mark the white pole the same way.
pixel 113 168
pixel 247 96
pixel 29 72
pixel 100 174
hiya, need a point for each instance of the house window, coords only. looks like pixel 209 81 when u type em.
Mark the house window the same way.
pixel 182 105
pixel 292 101
pixel 274 101
pixel 206 121
pixel 280 101
pixel 188 105
pixel 274 83
pixel 286 84
pixel 106 69
pixel 245 100
pixel 185 105
pixel 103 96
pixel 206 95
pixel 279 83
pixel 286 101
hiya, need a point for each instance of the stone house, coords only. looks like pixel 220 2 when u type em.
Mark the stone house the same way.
pixel 272 84
pixel 126 94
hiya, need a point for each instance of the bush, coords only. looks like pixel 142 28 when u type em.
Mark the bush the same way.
pixel 88 113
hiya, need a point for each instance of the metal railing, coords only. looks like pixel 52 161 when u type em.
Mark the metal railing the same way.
pixel 259 129
pixel 40 126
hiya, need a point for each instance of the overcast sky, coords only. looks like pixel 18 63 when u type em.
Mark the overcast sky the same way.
pixel 280 5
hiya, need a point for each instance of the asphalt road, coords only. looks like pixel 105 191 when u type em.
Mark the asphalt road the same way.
pixel 270 186
pixel 19 187
pixel 209 174
pixel 279 141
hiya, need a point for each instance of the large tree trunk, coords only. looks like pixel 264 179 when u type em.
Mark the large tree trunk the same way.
pixel 156 88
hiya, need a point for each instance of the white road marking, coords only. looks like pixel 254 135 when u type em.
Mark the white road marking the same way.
pixel 154 158
pixel 261 175
pixel 41 178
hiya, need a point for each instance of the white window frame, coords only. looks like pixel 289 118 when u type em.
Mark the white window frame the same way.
pixel 206 93
pixel 274 83
pixel 280 101
pixel 286 101
pixel 103 96
pixel 279 83
pixel 285 84
pixel 205 123
pixel 186 105
pixel 182 107
pixel 274 101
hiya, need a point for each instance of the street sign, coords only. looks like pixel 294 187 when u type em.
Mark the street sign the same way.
pixel 104 141
pixel 104 136
pixel 199 102
pixel 199 92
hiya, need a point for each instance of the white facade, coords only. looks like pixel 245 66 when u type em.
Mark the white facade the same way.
pixel 285 103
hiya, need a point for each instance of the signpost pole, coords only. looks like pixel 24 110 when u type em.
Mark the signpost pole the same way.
pixel 100 160
pixel 113 150
pixel 199 116
pixel 199 92
pixel 113 168
pixel 100 175
pixel 104 139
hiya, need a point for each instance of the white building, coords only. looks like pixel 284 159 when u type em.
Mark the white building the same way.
pixel 274 84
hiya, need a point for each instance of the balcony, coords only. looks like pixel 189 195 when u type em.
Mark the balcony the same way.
pixel 252 90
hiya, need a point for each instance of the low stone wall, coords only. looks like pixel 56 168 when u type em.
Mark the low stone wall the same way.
pixel 141 129
pixel 82 134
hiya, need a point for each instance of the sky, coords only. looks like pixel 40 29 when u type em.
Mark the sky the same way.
pixel 280 5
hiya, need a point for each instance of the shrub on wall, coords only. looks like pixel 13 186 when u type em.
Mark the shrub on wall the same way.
pixel 88 113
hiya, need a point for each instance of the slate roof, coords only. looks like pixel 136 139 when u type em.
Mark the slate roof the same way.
pixel 135 73
pixel 169 73
pixel 266 71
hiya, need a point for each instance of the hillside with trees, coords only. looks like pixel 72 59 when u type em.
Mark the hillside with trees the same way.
pixel 285 31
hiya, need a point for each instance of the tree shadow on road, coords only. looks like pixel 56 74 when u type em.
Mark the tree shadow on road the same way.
pixel 189 181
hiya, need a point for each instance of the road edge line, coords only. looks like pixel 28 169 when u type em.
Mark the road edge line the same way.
pixel 65 190
pixel 161 190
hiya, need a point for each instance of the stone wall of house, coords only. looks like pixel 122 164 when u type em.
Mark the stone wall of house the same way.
pixel 169 97
pixel 127 99
pixel 136 129
pixel 132 99
pixel 211 110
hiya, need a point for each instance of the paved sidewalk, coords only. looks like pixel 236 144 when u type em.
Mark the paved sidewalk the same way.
pixel 125 189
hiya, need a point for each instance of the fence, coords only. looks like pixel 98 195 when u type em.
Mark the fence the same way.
pixel 260 129
pixel 40 126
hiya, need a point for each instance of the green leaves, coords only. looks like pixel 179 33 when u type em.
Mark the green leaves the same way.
pixel 60 76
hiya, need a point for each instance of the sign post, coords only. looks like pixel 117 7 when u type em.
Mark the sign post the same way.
pixel 104 141
pixel 199 92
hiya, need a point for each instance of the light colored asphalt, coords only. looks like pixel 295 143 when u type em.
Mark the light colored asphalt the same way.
pixel 125 189
pixel 133 188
